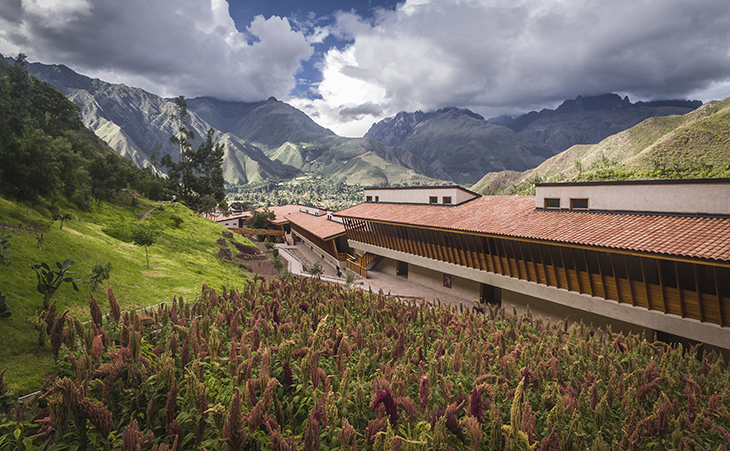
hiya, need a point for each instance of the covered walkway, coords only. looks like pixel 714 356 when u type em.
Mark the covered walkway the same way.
pixel 300 258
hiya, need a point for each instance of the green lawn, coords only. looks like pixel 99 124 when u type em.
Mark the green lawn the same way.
pixel 183 258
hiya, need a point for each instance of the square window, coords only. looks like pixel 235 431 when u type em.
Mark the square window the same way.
pixel 433 200
pixel 447 200
pixel 369 199
pixel 377 198
pixel 447 280
pixel 552 202
pixel 579 204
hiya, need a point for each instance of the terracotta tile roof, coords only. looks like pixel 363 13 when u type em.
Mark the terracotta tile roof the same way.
pixel 516 216
pixel 318 225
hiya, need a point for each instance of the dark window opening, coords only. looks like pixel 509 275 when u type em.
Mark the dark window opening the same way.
pixel 490 295
pixel 552 202
pixel 377 198
pixel 433 200
pixel 447 200
pixel 401 269
pixel 579 204
pixel 369 199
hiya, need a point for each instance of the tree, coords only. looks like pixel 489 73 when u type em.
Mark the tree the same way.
pixel 62 217
pixel 260 218
pixel 199 173
pixel 50 280
pixel 143 236
pixel 277 261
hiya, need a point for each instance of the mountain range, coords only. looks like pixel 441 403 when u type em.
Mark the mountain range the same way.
pixel 693 145
pixel 271 140
pixel 588 120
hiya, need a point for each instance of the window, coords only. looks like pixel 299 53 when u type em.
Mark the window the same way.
pixel 447 200
pixel 377 199
pixel 447 280
pixel 552 202
pixel 579 204
pixel 433 200
pixel 369 199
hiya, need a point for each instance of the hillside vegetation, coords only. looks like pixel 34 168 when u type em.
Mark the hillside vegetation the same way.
pixel 694 145
pixel 184 255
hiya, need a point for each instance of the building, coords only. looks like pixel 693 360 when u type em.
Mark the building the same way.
pixel 650 256
pixel 317 229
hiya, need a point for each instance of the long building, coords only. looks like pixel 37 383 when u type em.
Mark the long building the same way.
pixel 651 256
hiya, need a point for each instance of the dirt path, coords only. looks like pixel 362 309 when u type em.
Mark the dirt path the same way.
pixel 144 216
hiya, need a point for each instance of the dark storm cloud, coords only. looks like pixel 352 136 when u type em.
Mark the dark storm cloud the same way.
pixel 170 47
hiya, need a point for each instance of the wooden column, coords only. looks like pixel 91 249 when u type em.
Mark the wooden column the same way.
pixel 679 290
pixel 628 278
pixel 661 285
pixel 719 297
pixel 615 278
pixel 700 301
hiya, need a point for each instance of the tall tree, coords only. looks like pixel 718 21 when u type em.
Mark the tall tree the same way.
pixel 199 173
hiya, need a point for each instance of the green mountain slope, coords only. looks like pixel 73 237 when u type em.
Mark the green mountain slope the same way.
pixel 361 161
pixel 459 145
pixel 693 145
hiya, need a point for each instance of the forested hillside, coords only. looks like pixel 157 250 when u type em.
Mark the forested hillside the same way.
pixel 47 153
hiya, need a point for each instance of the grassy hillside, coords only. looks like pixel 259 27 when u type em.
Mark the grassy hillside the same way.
pixel 694 145
pixel 183 257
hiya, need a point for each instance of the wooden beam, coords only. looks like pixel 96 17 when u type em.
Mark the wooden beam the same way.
pixel 544 266
pixel 506 258
pixel 719 297
pixel 514 255
pixel 679 290
pixel 628 278
pixel 588 271
pixel 615 278
pixel 646 284
pixel 491 256
pixel 661 285
pixel 700 301
pixel 565 268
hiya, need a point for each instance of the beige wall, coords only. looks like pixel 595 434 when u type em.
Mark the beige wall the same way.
pixel 555 312
pixel 419 195
pixel 693 198
pixel 463 288
pixel 557 300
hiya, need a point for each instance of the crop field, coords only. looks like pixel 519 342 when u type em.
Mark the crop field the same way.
pixel 300 364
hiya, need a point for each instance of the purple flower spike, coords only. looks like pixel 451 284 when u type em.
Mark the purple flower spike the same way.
pixel 386 398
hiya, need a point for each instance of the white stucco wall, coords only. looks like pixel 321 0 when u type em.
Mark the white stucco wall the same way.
pixel 691 198
pixel 419 195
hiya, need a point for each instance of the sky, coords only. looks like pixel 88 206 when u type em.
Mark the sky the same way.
pixel 350 63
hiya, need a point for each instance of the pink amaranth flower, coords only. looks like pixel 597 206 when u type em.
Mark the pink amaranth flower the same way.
pixel 386 398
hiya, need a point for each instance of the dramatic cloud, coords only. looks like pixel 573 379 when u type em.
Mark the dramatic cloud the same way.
pixel 493 56
pixel 499 56
pixel 169 47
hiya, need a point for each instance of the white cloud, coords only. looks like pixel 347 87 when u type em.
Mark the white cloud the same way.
pixel 169 47
pixel 497 55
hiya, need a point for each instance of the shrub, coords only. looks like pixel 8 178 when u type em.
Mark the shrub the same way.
pixel 99 273
pixel 49 280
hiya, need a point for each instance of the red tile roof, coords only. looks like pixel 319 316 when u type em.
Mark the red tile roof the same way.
pixel 318 225
pixel 516 216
